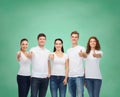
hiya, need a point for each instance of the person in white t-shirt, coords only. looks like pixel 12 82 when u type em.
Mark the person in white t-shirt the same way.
pixel 59 70
pixel 93 77
pixel 76 68
pixel 40 68
pixel 23 76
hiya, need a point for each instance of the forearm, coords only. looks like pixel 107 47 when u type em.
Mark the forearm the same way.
pixel 49 68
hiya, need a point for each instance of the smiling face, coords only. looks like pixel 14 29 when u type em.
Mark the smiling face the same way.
pixel 74 38
pixel 92 43
pixel 24 45
pixel 58 45
pixel 41 41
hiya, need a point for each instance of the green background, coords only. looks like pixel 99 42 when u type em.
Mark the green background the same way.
pixel 58 18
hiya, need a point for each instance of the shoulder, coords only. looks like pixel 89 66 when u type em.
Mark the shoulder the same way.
pixel 82 47
pixel 47 50
pixel 65 55
pixel 69 50
pixel 34 48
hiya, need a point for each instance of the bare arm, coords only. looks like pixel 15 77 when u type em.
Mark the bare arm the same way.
pixel 49 69
pixel 66 71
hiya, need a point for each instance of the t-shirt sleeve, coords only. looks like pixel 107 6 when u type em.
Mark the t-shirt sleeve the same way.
pixel 67 52
pixel 100 52
pixel 33 50
pixel 66 56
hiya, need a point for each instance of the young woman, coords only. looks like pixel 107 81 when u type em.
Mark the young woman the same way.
pixel 23 76
pixel 93 75
pixel 59 70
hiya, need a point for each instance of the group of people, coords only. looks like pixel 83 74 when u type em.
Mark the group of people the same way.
pixel 60 68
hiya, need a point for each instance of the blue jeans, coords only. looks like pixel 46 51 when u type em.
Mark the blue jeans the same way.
pixel 39 87
pixel 23 85
pixel 76 86
pixel 56 83
pixel 93 86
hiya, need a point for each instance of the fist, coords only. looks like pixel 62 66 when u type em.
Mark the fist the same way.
pixel 18 56
pixel 51 56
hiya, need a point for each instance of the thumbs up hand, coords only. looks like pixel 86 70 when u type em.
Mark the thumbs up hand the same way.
pixel 94 54
pixel 18 56
pixel 80 53
pixel 51 56
pixel 97 55
pixel 30 54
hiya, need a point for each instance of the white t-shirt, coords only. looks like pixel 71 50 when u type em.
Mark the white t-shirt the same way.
pixel 58 65
pixel 92 69
pixel 76 68
pixel 40 59
pixel 24 65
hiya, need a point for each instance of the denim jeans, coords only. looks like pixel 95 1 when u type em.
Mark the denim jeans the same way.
pixel 76 86
pixel 93 86
pixel 56 83
pixel 23 85
pixel 39 87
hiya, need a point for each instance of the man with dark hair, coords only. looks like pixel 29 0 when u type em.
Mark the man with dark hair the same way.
pixel 40 68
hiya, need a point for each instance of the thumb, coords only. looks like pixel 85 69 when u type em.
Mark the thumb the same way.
pixel 31 53
pixel 19 53
pixel 80 51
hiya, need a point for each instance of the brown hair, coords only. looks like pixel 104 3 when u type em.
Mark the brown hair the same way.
pixel 75 32
pixel 88 44
pixel 41 35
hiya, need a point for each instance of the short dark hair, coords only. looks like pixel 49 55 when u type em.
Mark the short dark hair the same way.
pixel 41 35
pixel 75 32
pixel 24 39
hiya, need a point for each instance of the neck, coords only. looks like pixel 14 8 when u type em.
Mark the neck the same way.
pixel 41 46
pixel 74 45
pixel 58 51
pixel 23 51
pixel 92 48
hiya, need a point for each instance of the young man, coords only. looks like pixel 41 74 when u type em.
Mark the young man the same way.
pixel 40 68
pixel 76 70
